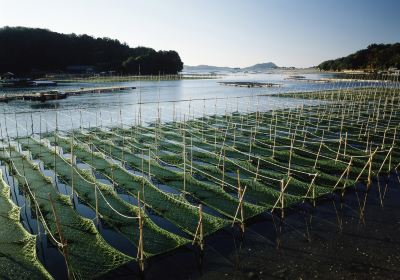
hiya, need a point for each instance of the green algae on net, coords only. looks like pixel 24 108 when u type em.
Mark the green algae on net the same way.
pixel 18 247
pixel 88 253
pixel 270 159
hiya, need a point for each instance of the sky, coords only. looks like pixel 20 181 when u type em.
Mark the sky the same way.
pixel 234 33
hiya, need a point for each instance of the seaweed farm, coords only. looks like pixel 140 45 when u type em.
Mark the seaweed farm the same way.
pixel 163 185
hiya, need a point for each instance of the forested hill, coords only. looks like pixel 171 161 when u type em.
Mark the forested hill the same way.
pixel 375 57
pixel 23 50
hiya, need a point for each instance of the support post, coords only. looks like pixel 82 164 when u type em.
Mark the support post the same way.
pixel 140 253
pixel 282 199
pixel 64 245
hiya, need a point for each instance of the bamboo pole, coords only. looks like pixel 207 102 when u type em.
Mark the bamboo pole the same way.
pixel 55 153
pixel 383 140
pixel 270 125
pixel 143 164
pixel 282 199
pixel 240 197
pixel 140 254
pixel 347 177
pixel 72 167
pixel 184 160
pixel 369 172
pixel 191 155
pixel 250 143
pixel 338 151
pixel 290 156
pixel 258 168
pixel 215 139
pixel 97 204
pixel 313 189
pixel 367 144
pixel 201 240
pixel 273 148
pixel 319 151
pixel 149 164
pixel 122 151
pixel 223 170
pixel 201 227
pixel 199 236
pixel 64 245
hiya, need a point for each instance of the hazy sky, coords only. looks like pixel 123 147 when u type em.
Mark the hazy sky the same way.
pixel 222 32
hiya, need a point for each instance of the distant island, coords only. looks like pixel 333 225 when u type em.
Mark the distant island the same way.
pixel 260 67
pixel 375 57
pixel 33 51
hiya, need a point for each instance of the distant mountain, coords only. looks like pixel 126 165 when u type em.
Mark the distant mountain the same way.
pixel 260 67
pixel 375 57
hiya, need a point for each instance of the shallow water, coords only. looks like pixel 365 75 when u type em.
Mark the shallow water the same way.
pixel 166 100
pixel 331 241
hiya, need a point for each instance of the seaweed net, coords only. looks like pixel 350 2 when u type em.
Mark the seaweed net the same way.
pixel 238 164
pixel 89 255
pixel 167 205
pixel 115 211
pixel 18 257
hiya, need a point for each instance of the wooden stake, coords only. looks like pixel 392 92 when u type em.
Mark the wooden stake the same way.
pixel 143 164
pixel 316 159
pixel 191 155
pixel 270 125
pixel 215 139
pixel 282 199
pixel 149 164
pixel 313 188
pixel 201 240
pixel 347 176
pixel 198 236
pixel 140 254
pixel 122 151
pixel 64 245
pixel 234 136
pixel 369 172
pixel 184 161
pixel 258 167
pixel 240 197
pixel 273 148
pixel 338 151
pixel 72 167
pixel 97 204
pixel 304 139
pixel 223 170
pixel 290 156
pixel 250 143
pixel 383 140
pixel 367 144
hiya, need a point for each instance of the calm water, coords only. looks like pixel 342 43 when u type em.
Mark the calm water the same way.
pixel 167 100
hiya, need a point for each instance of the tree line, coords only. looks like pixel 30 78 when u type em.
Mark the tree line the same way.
pixel 374 57
pixel 26 50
